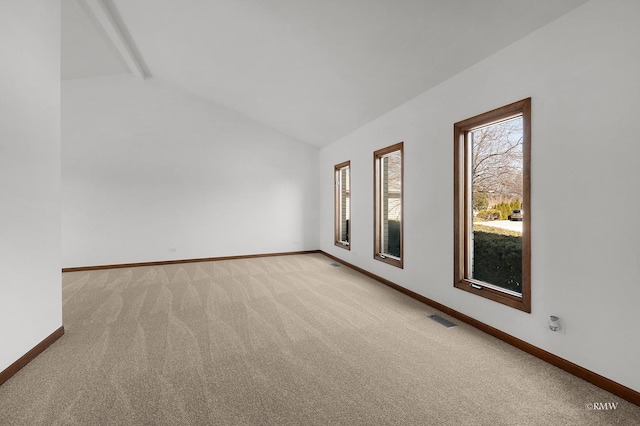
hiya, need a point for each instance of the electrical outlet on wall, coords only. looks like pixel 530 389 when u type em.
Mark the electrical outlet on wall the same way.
pixel 561 321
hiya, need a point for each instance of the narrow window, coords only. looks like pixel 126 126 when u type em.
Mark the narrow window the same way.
pixel 342 233
pixel 388 181
pixel 492 205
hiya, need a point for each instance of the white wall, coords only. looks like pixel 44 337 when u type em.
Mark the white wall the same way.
pixel 583 74
pixel 30 286
pixel 148 168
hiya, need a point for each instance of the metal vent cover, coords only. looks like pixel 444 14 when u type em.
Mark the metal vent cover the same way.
pixel 442 321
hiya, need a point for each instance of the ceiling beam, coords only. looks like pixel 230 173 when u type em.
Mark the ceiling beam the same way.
pixel 105 18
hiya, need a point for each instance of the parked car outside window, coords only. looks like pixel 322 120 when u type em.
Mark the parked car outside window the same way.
pixel 516 215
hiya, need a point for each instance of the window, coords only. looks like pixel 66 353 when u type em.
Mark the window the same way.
pixel 388 181
pixel 492 205
pixel 343 205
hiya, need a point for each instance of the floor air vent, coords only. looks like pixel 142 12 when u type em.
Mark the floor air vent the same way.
pixel 442 321
pixel 335 265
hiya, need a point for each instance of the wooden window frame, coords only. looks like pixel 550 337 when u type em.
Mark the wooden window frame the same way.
pixel 337 203
pixel 462 212
pixel 377 221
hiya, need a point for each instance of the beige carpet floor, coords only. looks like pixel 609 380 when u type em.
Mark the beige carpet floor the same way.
pixel 287 340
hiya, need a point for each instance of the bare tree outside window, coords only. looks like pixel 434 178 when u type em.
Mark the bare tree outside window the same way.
pixel 497 162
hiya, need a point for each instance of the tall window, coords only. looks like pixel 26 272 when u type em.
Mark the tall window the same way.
pixel 388 163
pixel 342 173
pixel 492 205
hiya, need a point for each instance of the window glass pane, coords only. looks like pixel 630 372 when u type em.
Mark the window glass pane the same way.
pixel 496 176
pixel 344 201
pixel 391 206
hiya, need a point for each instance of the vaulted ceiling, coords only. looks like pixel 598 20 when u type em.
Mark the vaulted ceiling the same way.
pixel 315 70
